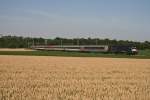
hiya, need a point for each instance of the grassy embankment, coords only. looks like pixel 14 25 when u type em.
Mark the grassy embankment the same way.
pixel 145 54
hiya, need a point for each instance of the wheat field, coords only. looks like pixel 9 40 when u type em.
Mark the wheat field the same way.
pixel 16 49
pixel 73 78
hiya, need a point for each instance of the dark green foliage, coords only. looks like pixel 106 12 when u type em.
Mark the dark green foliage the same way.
pixel 26 42
pixel 19 42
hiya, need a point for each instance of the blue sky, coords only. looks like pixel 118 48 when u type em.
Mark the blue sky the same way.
pixel 114 19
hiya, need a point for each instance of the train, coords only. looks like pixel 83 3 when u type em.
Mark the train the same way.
pixel 126 49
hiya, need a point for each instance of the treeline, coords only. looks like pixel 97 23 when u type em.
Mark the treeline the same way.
pixel 26 42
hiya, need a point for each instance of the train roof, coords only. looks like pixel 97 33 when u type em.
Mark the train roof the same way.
pixel 71 45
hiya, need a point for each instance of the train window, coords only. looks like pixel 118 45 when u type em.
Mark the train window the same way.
pixel 73 47
pixel 94 47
